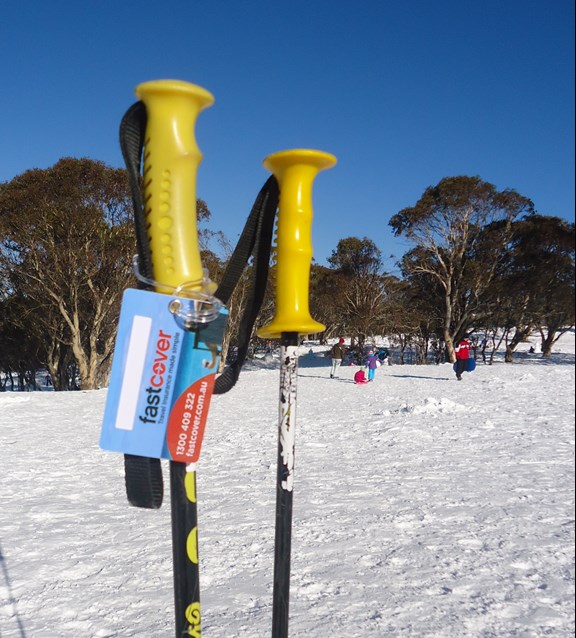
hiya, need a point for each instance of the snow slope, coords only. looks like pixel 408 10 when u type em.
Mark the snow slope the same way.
pixel 423 507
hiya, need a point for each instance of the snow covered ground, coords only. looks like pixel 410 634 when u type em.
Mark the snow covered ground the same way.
pixel 423 507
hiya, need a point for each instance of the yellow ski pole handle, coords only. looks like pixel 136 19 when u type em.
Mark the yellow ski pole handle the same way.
pixel 295 171
pixel 171 160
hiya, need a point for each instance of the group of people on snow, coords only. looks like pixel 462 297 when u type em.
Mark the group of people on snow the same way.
pixel 375 358
pixel 371 362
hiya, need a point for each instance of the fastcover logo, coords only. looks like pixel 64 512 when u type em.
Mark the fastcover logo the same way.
pixel 157 378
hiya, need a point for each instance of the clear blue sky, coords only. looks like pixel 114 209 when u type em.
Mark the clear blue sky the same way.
pixel 404 93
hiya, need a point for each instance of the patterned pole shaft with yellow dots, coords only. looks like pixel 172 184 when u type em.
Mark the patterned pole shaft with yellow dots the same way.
pixel 295 171
pixel 171 160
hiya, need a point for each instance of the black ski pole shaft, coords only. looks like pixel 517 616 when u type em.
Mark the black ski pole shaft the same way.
pixel 183 502
pixel 284 483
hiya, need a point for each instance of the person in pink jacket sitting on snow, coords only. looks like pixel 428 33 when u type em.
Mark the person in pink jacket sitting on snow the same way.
pixel 360 377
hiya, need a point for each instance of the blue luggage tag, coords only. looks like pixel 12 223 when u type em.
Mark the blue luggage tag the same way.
pixel 162 378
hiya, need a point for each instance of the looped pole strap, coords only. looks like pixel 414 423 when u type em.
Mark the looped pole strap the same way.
pixel 256 241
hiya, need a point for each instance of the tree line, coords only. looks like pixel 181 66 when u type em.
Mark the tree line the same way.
pixel 482 261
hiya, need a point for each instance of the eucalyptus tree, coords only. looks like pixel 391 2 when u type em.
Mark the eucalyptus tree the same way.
pixel 460 228
pixel 415 313
pixel 66 246
pixel 358 287
pixel 535 284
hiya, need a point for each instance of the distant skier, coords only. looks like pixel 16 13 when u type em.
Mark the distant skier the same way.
pixel 337 353
pixel 462 351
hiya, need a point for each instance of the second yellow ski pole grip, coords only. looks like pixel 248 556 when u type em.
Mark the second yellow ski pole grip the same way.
pixel 295 171
pixel 171 160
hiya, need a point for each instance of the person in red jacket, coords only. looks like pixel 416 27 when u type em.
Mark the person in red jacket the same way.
pixel 462 351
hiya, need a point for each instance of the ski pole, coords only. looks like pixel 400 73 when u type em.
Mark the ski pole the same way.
pixel 295 171
pixel 171 160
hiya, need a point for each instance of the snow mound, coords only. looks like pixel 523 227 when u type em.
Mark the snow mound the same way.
pixel 431 405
